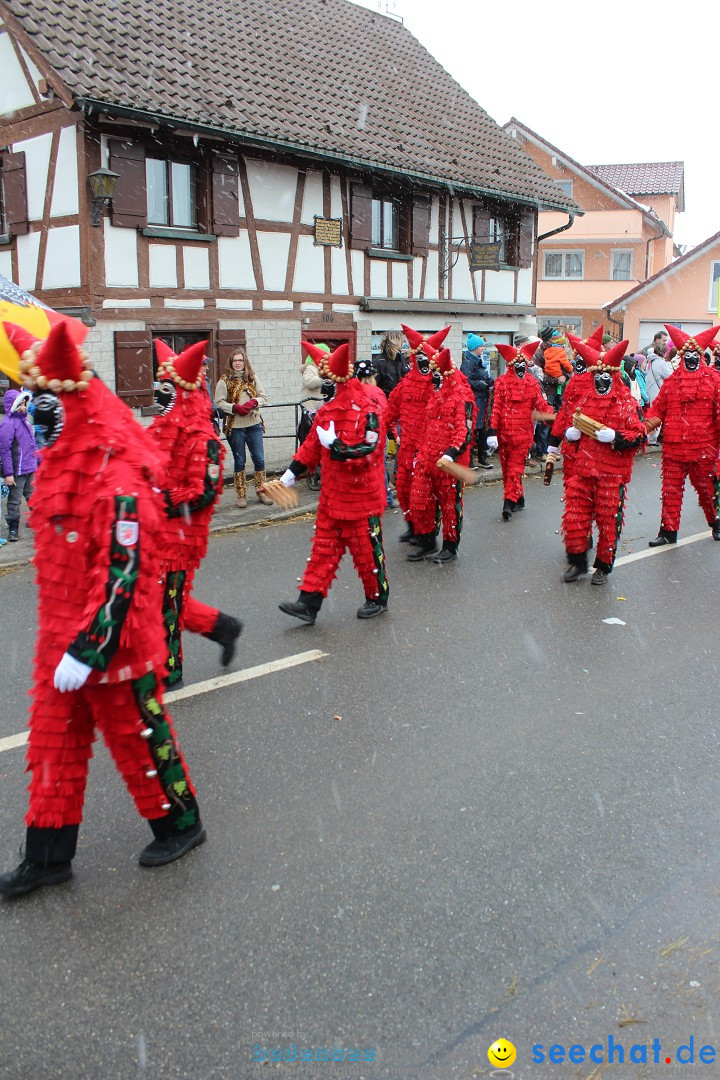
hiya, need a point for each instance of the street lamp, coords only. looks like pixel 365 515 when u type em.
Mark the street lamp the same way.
pixel 102 184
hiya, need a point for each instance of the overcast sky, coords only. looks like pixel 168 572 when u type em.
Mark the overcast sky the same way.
pixel 617 81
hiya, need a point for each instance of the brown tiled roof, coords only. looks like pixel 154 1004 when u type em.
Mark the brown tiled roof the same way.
pixel 323 75
pixel 648 178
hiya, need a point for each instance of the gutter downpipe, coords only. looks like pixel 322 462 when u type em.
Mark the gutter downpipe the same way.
pixel 544 236
pixel 620 323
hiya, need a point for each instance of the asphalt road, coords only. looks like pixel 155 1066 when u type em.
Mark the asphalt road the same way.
pixel 487 814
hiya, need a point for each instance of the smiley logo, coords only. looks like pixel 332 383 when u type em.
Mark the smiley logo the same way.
pixel 502 1053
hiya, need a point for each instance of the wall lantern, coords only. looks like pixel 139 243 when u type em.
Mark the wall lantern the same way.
pixel 102 184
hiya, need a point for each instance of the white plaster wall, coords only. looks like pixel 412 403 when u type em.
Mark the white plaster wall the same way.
pixel 272 189
pixel 378 278
pixel 461 280
pixel 274 249
pixel 65 199
pixel 121 256
pixel 236 270
pixel 309 267
pixel 62 258
pixel 417 277
pixel 338 272
pixel 335 197
pixel 34 72
pixel 524 293
pixel 431 278
pixel 163 267
pixel 400 280
pixel 6 264
pixel 500 286
pixel 196 264
pixel 37 162
pixel 14 90
pixel 28 247
pixel 312 198
pixel 357 261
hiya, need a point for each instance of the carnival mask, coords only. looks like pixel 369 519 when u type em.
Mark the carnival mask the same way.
pixel 691 360
pixel 49 417
pixel 520 369
pixel 579 365
pixel 423 363
pixel 603 382
pixel 437 379
pixel 165 393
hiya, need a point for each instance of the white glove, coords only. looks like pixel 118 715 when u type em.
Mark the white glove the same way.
pixel 572 434
pixel 327 435
pixel 70 674
pixel 446 457
pixel 371 437
pixel 605 434
pixel 288 478
pixel 492 442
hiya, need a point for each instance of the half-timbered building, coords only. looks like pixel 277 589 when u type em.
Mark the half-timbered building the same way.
pixel 285 169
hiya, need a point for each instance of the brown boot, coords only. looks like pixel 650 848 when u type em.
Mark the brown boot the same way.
pixel 260 480
pixel 240 490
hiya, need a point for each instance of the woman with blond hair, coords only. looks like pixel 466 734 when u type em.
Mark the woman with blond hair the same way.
pixel 239 395
pixel 392 363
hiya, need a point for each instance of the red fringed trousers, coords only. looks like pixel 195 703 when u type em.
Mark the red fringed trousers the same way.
pixel 333 537
pixel 513 456
pixel 598 497
pixel 403 479
pixel 431 488
pixel 138 732
pixel 702 477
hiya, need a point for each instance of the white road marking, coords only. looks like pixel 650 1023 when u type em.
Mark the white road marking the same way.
pixel 207 687
pixel 661 550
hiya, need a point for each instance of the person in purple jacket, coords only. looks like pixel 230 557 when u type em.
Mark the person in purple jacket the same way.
pixel 18 456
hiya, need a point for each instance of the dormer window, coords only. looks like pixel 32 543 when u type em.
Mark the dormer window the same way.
pixel 170 193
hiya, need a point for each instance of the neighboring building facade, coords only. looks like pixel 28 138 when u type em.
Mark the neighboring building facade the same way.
pixel 326 196
pixel 624 235
pixel 684 294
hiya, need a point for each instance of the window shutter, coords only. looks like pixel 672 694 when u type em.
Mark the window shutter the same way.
pixel 225 197
pixel 15 191
pixel 129 205
pixel 134 367
pixel 481 224
pixel 227 342
pixel 420 225
pixel 525 242
pixel 361 217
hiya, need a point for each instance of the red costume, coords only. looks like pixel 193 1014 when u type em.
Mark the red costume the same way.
pixel 408 410
pixel 193 456
pixel 99 659
pixel 449 424
pixel 688 406
pixel 602 467
pixel 347 438
pixel 515 400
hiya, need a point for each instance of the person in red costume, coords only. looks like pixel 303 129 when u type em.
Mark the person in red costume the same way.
pixel 347 437
pixel 449 426
pixel 557 443
pixel 516 400
pixel 602 465
pixel 184 434
pixel 688 407
pixel 407 408
pixel 99 657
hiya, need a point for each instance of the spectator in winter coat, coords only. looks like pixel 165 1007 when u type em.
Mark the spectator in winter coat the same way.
pixel 18 456
pixel 481 383
pixel 391 362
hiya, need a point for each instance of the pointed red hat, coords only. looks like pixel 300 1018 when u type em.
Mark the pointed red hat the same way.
pixel 57 365
pixel 185 369
pixel 443 361
pixel 417 339
pixel 597 360
pixel 594 341
pixel 337 364
pixel 319 355
pixel 511 354
pixel 684 342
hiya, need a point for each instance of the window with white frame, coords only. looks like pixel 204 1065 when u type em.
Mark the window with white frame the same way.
pixel 386 223
pixel 621 265
pixel 170 193
pixel 714 279
pixel 564 265
pixel 566 186
pixel 564 322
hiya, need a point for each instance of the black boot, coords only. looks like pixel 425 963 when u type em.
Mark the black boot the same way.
pixel 371 608
pixel 665 536
pixel 305 608
pixel 170 843
pixel 602 571
pixel 48 861
pixel 225 632
pixel 716 529
pixel 507 510
pixel 484 463
pixel 409 534
pixel 448 552
pixel 13 527
pixel 520 504
pixel 425 546
pixel 578 566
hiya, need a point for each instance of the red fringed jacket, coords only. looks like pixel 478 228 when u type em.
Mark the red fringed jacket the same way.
pixel 689 406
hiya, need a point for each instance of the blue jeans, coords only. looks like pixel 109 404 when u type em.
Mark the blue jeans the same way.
pixel 252 438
